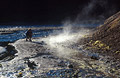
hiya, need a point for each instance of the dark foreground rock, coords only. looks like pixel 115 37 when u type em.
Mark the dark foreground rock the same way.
pixel 30 64
pixel 9 53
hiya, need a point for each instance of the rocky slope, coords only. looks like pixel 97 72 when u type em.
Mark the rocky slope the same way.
pixel 106 38
pixel 109 32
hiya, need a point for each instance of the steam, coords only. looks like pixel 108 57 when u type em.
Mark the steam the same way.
pixel 95 12
pixel 63 41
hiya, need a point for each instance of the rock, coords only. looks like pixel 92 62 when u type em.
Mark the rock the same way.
pixel 30 64
pixel 4 44
pixel 1 65
pixel 19 74
pixel 3 53
pixel 42 42
pixel 107 61
pixel 95 57
pixel 9 51
pixel 62 64
pixel 70 66
pixel 118 66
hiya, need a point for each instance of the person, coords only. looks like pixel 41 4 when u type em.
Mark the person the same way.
pixel 29 35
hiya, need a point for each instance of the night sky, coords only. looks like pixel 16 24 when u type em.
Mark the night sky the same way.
pixel 48 12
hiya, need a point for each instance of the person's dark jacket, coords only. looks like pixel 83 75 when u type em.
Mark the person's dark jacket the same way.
pixel 29 33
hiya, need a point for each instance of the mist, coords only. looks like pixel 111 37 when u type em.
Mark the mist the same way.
pixel 73 30
pixel 94 12
pixel 61 41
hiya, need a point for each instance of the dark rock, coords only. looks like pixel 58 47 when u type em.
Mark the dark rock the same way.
pixel 95 57
pixel 3 53
pixel 107 61
pixel 1 65
pixel 62 64
pixel 70 66
pixel 118 67
pixel 11 49
pixel 10 52
pixel 4 44
pixel 42 42
pixel 31 65
pixel 44 57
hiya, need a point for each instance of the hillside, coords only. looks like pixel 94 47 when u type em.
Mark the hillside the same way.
pixel 109 33
pixel 106 38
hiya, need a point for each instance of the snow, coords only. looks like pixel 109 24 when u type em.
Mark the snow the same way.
pixel 2 50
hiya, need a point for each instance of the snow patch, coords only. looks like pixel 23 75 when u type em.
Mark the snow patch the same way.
pixel 2 50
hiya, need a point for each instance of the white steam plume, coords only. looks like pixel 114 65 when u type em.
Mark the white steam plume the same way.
pixel 65 39
pixel 93 7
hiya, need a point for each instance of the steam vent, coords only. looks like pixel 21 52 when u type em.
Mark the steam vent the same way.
pixel 107 36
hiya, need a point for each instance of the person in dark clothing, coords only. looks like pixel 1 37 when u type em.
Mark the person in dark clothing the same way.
pixel 29 35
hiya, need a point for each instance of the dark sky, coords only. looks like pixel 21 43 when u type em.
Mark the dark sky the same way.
pixel 45 12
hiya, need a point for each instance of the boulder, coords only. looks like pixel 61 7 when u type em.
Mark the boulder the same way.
pixel 7 51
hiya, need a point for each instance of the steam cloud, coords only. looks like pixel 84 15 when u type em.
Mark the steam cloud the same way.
pixel 60 43
pixel 96 11
pixel 70 35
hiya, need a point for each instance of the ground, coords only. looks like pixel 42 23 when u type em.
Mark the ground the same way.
pixel 52 59
pixel 59 55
